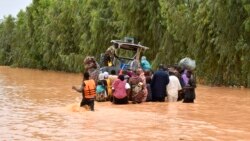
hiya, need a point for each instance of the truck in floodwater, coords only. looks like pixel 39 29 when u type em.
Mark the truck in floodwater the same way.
pixel 121 55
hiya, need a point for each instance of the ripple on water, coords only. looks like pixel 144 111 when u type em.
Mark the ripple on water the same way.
pixel 40 105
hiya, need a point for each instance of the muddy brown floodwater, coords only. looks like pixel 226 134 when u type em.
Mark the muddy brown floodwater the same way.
pixel 40 105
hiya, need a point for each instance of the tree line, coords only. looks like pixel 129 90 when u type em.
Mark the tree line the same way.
pixel 57 35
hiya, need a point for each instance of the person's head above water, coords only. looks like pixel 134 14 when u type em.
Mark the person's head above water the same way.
pixel 121 77
pixel 161 66
pixel 86 75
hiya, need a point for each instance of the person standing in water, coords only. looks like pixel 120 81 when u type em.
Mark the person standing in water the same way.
pixel 138 88
pixel 120 90
pixel 173 87
pixel 88 90
pixel 101 94
pixel 158 84
pixel 189 88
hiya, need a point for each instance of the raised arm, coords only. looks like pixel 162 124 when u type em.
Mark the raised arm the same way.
pixel 80 90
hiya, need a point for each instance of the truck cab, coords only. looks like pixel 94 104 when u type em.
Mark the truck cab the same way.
pixel 123 53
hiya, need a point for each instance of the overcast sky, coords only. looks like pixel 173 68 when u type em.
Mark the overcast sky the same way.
pixel 12 7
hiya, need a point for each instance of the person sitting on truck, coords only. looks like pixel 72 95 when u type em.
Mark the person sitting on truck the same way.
pixel 134 65
pixel 145 64
pixel 108 59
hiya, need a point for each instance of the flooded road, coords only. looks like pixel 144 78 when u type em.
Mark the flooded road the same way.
pixel 40 105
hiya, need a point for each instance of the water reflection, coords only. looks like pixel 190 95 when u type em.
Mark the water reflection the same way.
pixel 40 105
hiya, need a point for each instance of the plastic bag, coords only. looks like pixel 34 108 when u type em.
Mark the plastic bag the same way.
pixel 187 63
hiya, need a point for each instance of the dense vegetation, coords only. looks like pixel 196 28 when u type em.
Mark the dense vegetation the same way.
pixel 58 34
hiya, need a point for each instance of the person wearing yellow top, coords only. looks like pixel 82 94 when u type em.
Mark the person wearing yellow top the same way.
pixel 112 77
pixel 109 85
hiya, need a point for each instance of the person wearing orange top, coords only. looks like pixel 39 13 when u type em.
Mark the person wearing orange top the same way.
pixel 88 90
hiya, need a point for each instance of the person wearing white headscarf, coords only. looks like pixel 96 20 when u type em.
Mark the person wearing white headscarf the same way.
pixel 109 84
pixel 105 75
pixel 101 76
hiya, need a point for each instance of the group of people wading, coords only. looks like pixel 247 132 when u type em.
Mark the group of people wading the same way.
pixel 136 84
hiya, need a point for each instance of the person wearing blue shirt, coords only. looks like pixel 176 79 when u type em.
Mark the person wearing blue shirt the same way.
pixel 158 84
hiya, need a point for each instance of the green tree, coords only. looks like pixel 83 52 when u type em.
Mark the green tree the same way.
pixel 58 35
pixel 7 35
pixel 140 19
